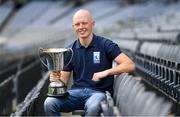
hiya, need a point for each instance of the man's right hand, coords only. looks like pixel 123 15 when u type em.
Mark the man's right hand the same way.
pixel 55 76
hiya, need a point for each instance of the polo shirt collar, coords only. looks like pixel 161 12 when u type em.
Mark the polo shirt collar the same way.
pixel 78 44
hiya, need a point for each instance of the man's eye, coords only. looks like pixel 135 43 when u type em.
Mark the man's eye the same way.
pixel 84 23
pixel 77 24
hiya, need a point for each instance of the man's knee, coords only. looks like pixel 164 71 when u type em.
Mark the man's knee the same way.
pixel 96 98
pixel 50 105
pixel 92 106
pixel 93 109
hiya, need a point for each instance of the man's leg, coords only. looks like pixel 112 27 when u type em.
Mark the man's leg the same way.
pixel 53 106
pixel 92 105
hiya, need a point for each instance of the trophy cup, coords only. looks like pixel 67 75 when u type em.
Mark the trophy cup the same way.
pixel 55 60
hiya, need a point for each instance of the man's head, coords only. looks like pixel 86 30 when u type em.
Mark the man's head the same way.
pixel 83 23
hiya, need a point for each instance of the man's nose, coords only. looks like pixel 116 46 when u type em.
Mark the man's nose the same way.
pixel 81 25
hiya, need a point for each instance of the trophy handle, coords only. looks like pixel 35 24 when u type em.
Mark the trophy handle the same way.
pixel 69 49
pixel 40 50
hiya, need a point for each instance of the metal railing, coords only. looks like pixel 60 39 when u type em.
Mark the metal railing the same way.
pixel 33 103
pixel 15 87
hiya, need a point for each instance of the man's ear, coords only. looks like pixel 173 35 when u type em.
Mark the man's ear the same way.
pixel 93 23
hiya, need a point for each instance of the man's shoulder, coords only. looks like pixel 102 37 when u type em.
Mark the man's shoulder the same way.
pixel 103 40
pixel 71 45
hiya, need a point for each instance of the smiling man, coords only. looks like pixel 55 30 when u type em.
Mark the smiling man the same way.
pixel 92 69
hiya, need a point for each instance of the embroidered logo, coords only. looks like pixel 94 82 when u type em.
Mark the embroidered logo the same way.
pixel 96 57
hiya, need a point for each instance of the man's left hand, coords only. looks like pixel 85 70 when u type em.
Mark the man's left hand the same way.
pixel 98 75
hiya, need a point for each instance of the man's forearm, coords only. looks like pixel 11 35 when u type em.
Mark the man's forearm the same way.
pixel 65 76
pixel 121 68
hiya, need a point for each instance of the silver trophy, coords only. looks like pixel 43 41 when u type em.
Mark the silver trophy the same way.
pixel 55 62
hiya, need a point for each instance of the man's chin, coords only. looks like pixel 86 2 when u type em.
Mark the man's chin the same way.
pixel 83 36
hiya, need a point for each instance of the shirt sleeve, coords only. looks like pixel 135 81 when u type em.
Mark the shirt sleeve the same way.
pixel 67 61
pixel 112 49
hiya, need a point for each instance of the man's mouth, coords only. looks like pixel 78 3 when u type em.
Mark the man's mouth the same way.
pixel 82 31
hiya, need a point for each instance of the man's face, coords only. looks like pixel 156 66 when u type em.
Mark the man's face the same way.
pixel 83 26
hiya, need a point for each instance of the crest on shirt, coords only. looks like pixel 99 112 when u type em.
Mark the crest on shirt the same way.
pixel 96 57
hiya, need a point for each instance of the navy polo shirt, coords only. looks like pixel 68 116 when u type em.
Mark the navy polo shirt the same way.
pixel 98 56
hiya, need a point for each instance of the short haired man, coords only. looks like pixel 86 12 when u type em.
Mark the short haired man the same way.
pixel 92 69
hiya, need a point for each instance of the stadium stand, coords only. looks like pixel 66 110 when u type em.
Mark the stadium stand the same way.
pixel 5 10
pixel 28 13
pixel 148 32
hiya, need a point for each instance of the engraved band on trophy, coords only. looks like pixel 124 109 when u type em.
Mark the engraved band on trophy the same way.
pixel 55 60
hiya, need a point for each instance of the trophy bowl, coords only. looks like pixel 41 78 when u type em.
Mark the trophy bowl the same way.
pixel 57 89
pixel 55 60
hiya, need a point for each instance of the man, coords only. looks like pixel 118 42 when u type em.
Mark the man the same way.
pixel 92 69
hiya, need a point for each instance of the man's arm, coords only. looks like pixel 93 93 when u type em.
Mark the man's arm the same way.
pixel 125 64
pixel 63 75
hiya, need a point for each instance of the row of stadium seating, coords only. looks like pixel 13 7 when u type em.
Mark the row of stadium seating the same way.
pixel 154 46
pixel 162 73
pixel 132 100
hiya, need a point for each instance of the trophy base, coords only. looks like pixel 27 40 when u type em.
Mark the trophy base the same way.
pixel 58 95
